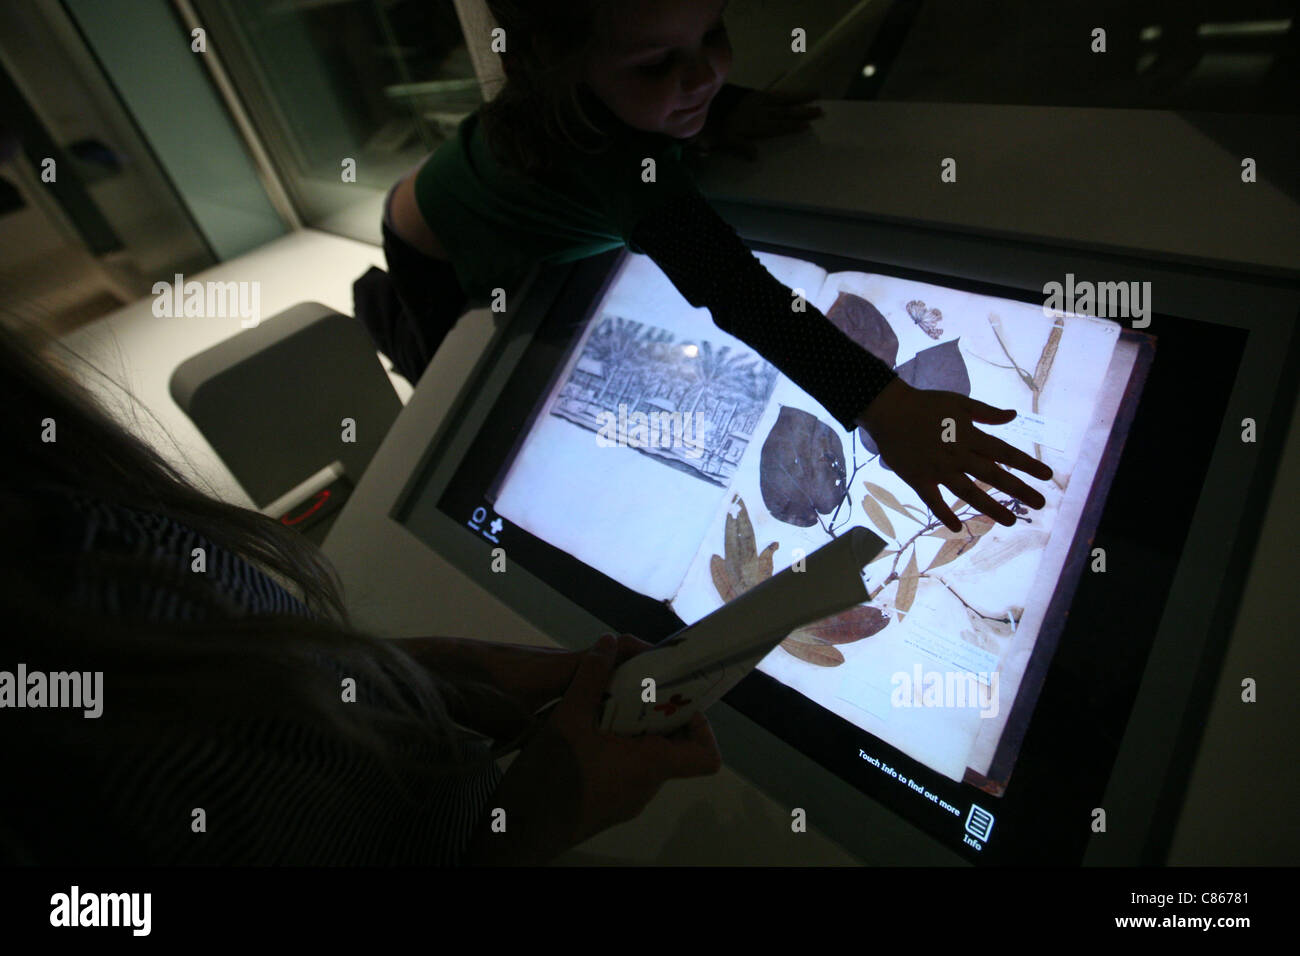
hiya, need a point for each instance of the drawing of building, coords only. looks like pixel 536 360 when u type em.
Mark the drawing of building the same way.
pixel 712 399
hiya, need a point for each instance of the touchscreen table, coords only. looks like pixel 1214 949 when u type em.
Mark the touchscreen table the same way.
pixel 672 458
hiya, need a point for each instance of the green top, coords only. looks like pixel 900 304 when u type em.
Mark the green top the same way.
pixel 496 224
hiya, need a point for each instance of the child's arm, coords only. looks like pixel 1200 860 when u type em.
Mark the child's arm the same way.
pixel 707 262
pixel 710 266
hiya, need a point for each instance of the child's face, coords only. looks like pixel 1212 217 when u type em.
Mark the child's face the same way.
pixel 658 63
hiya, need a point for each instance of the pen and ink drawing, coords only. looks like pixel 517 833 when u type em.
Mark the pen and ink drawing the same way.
pixel 687 404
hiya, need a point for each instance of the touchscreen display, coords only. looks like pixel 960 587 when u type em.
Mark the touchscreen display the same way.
pixel 674 460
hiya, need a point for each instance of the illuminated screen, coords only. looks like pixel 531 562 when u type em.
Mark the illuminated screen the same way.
pixel 711 471
pixel 649 467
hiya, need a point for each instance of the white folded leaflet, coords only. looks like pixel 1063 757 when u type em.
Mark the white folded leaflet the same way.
pixel 699 664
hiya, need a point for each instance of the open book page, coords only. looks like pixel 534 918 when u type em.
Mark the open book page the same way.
pixel 635 447
pixel 944 605
pixel 1070 511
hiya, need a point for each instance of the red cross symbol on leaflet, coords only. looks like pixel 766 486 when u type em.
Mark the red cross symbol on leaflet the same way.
pixel 672 705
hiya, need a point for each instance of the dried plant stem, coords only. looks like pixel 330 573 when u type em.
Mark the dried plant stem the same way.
pixel 1042 370
pixel 911 542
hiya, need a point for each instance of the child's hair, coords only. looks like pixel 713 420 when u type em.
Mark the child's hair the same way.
pixel 544 101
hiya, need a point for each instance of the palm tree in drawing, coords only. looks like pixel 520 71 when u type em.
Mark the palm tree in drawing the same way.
pixel 659 348
pixel 763 382
pixel 719 371
pixel 656 362
pixel 614 345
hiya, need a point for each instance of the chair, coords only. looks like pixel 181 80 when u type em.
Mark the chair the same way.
pixel 272 402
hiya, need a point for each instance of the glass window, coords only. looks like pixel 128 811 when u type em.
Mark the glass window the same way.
pixel 343 88
pixel 88 218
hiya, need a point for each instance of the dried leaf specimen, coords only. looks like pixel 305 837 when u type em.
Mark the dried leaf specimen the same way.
pixel 979 525
pixel 1048 356
pixel 907 585
pixel 878 516
pixel 940 367
pixel 952 549
pixel 886 498
pixel 862 322
pixel 741 567
pixel 846 627
pixel 814 652
pixel 1042 370
pixel 801 468
pixel 1000 552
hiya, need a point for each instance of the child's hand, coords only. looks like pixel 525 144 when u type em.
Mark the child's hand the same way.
pixel 760 115
pixel 907 425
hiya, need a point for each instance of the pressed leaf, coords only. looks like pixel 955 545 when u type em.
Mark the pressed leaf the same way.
pixel 862 322
pixel 1000 552
pixel 878 516
pixel 907 585
pixel 1049 355
pixel 951 550
pixel 880 557
pixel 941 367
pixel 978 525
pixel 740 567
pixel 884 496
pixel 738 544
pixel 722 580
pixel 846 627
pixel 801 636
pixel 801 468
pixel 823 655
pixel 764 563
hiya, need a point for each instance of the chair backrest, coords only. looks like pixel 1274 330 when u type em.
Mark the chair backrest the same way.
pixel 273 400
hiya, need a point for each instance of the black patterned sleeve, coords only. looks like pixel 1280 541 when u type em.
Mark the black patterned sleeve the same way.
pixel 709 264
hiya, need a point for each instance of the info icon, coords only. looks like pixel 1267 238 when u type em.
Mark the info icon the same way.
pixel 979 823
